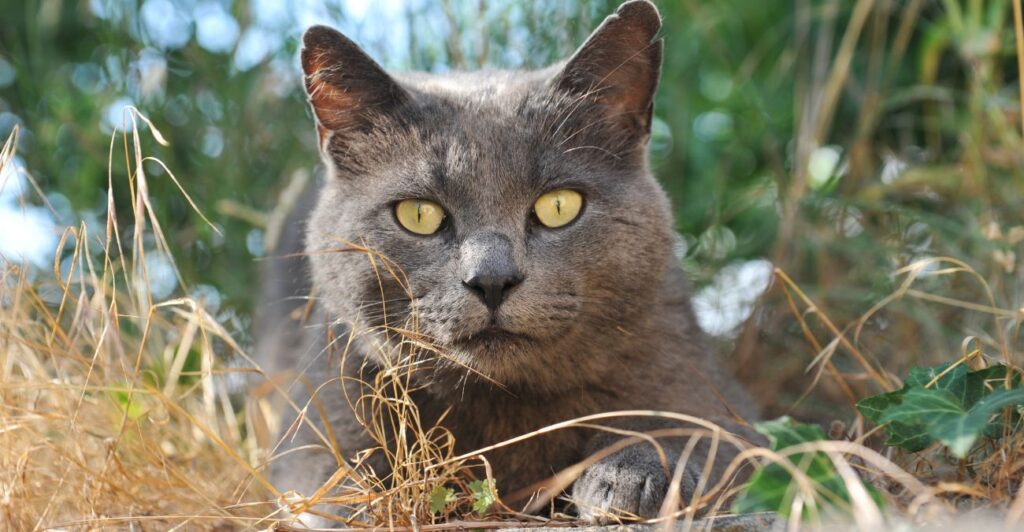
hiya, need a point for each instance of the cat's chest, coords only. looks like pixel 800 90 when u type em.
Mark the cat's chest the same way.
pixel 488 418
pixel 479 422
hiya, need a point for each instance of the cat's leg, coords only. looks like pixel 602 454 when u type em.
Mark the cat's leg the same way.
pixel 631 482
pixel 635 480
pixel 308 455
pixel 304 464
pixel 300 473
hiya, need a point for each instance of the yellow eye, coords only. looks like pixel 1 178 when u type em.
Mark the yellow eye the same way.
pixel 558 207
pixel 422 217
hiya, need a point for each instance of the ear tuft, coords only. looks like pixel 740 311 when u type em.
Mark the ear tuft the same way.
pixel 643 15
pixel 346 88
pixel 619 65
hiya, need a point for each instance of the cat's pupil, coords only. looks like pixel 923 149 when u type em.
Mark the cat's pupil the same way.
pixel 419 212
pixel 558 205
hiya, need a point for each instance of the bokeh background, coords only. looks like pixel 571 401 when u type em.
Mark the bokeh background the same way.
pixel 836 140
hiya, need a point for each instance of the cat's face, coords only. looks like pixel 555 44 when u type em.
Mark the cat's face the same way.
pixel 520 225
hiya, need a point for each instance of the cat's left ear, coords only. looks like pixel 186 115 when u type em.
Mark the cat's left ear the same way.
pixel 619 66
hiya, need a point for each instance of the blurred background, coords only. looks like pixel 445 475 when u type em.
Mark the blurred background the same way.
pixel 836 140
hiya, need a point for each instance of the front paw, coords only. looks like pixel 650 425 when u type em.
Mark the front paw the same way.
pixel 628 484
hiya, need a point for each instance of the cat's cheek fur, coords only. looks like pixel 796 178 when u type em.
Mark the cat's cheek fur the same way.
pixel 344 266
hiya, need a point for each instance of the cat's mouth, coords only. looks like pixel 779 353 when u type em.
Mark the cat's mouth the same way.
pixel 492 335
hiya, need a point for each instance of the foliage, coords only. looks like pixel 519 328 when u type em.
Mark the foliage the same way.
pixel 440 498
pixel 484 495
pixel 898 144
pixel 947 403
pixel 772 487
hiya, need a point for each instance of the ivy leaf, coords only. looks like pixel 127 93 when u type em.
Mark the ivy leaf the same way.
pixel 766 492
pixel 440 496
pixel 784 432
pixel 924 405
pixel 957 410
pixel 959 434
pixel 874 407
pixel 953 380
pixel 909 436
pixel 771 488
pixel 942 415
pixel 913 438
pixel 911 418
pixel 980 383
pixel 920 377
pixel 484 495
pixel 928 413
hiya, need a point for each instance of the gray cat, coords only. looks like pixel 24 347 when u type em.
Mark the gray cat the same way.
pixel 538 253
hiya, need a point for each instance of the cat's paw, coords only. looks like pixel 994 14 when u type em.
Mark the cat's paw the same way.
pixel 630 483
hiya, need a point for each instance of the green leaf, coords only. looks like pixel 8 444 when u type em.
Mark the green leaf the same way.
pixel 440 496
pixel 484 495
pixel 915 421
pixel 771 488
pixel 953 381
pixel 874 407
pixel 913 438
pixel 942 415
pixel 959 434
pixel 996 401
pixel 924 405
pixel 982 382
pixel 784 432
pixel 909 436
pixel 766 492
pixel 920 377
pixel 914 416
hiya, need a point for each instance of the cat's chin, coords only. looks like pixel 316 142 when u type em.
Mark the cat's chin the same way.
pixel 489 345
pixel 492 348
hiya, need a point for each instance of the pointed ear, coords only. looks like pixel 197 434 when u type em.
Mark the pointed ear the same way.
pixel 619 66
pixel 347 89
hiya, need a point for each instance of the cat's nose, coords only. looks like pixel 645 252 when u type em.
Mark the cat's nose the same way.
pixel 492 288
pixel 489 268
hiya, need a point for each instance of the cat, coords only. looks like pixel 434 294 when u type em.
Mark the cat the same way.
pixel 536 251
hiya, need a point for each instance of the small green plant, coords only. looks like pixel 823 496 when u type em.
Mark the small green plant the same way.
pixel 128 405
pixel 440 497
pixel 948 403
pixel 772 487
pixel 484 495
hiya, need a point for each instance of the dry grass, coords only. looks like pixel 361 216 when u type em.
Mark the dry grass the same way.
pixel 119 411
pixel 102 422
pixel 990 482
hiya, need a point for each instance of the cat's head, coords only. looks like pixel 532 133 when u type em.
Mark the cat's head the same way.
pixel 518 205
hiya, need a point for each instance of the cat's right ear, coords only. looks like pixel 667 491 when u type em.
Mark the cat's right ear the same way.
pixel 347 89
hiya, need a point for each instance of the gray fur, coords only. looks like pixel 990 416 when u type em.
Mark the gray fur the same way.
pixel 601 318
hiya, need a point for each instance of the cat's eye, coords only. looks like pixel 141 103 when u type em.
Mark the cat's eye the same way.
pixel 558 207
pixel 419 216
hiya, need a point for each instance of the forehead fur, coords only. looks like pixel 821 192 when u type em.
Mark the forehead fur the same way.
pixel 454 114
